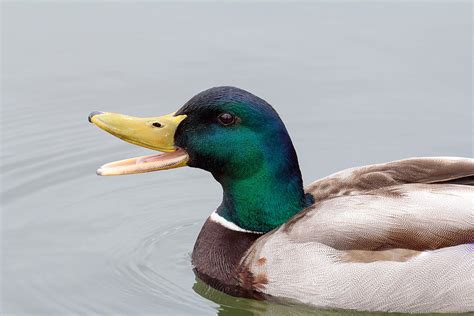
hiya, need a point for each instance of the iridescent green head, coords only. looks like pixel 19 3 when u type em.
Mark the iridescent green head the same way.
pixel 242 141
pixel 234 135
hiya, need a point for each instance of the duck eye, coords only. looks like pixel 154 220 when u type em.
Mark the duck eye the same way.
pixel 226 119
pixel 156 124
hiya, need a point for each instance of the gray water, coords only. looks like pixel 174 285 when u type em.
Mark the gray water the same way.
pixel 356 83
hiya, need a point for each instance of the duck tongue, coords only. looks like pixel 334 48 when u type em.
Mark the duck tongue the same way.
pixel 161 161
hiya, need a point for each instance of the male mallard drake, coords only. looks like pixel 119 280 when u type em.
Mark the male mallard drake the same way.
pixel 388 237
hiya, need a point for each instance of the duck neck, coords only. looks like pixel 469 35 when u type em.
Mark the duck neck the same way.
pixel 266 198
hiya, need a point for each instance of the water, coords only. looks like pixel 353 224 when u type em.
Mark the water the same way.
pixel 355 83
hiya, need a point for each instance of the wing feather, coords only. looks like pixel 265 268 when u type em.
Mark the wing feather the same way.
pixel 413 170
pixel 409 203
pixel 411 216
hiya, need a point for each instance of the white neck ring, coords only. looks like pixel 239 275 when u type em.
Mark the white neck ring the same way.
pixel 216 218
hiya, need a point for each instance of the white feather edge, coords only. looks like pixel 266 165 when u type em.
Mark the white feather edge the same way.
pixel 216 218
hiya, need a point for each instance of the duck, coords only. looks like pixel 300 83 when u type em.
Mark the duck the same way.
pixel 388 237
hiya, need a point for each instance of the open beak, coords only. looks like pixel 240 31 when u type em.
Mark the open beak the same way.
pixel 156 133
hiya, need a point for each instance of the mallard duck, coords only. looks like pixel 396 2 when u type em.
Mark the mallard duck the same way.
pixel 394 237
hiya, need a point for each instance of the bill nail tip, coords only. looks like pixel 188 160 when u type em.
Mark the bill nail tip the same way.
pixel 91 115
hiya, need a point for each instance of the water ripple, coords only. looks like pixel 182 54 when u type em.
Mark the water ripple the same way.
pixel 135 263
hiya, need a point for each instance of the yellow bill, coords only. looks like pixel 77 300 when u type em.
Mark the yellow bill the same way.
pixel 155 133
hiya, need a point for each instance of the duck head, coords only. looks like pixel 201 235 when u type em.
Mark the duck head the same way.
pixel 237 137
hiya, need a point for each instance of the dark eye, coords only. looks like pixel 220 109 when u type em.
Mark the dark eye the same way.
pixel 226 119
pixel 156 124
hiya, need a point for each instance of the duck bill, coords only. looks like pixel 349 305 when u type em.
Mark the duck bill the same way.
pixel 155 133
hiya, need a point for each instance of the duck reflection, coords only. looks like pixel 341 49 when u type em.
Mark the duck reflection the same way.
pixel 235 306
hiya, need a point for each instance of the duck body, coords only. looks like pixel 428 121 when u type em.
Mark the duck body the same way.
pixel 390 237
pixel 394 237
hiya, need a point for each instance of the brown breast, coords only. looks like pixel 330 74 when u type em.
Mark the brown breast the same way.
pixel 216 257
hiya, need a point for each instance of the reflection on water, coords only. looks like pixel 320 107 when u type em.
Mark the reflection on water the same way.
pixel 231 306
pixel 353 84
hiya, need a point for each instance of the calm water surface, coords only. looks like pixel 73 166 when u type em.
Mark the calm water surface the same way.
pixel 355 84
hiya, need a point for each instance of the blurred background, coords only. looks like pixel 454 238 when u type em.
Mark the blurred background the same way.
pixel 355 82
